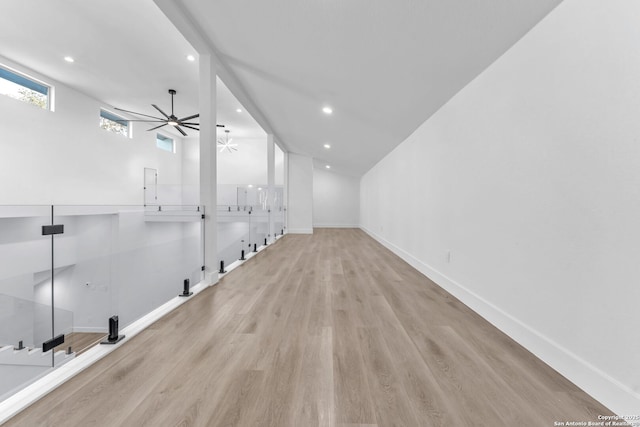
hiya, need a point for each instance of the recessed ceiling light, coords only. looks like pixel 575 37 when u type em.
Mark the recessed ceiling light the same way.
pixel 238 110
pixel 191 58
pixel 327 110
pixel 69 59
pixel 259 188
pixel 327 146
pixel 327 166
pixel 250 185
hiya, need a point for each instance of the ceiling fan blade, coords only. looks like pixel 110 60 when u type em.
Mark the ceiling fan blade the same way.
pixel 157 127
pixel 161 112
pixel 222 149
pixel 180 130
pixel 149 121
pixel 190 127
pixel 139 114
pixel 190 123
pixel 188 118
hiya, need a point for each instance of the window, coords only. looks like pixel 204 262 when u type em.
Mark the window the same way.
pixel 113 123
pixel 165 143
pixel 23 88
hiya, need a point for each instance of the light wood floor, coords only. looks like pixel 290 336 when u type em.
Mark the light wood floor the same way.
pixel 330 330
pixel 80 341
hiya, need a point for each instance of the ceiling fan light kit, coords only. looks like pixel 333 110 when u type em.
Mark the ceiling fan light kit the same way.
pixel 225 142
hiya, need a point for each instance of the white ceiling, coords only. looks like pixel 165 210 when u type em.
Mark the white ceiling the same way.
pixel 127 55
pixel 384 66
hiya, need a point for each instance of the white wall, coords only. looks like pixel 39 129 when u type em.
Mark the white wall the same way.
pixel 279 165
pixel 191 171
pixel 530 177
pixel 300 197
pixel 246 166
pixel 336 199
pixel 63 157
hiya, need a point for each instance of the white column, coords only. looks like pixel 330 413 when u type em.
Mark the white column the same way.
pixel 208 178
pixel 285 193
pixel 271 180
pixel 300 208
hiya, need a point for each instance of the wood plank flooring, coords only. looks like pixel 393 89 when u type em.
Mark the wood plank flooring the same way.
pixel 80 341
pixel 329 329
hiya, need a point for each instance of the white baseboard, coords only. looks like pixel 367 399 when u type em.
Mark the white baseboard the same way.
pixel 336 226
pixel 615 395
pixel 300 231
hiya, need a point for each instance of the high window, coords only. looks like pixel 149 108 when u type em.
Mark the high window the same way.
pixel 24 88
pixel 114 123
pixel 165 143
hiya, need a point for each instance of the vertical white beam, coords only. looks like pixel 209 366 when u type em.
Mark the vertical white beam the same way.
pixel 271 181
pixel 285 191
pixel 208 165
pixel 300 207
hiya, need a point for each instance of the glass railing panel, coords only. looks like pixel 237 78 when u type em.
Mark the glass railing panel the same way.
pixel 125 261
pixel 170 194
pixel 110 261
pixel 278 197
pixel 234 229
pixel 25 296
pixel 259 226
pixel 227 194
pixel 26 323
pixel 284 220
pixel 25 270
pixel 25 326
pixel 174 256
pixel 84 273
pixel 278 221
pixel 73 342
pixel 167 210
pixel 190 194
pixel 246 195
pixel 193 249
pixel 155 253
pixel 252 195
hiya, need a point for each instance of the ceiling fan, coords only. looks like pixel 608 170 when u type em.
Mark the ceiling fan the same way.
pixel 171 120
pixel 225 142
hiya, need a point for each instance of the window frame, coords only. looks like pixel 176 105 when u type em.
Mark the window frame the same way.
pixel 163 137
pixel 110 115
pixel 32 84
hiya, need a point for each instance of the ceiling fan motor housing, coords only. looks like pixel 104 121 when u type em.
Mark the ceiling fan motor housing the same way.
pixel 171 120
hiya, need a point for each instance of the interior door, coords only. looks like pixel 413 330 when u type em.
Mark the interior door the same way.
pixel 150 186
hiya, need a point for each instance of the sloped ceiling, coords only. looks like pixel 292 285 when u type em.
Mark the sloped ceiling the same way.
pixel 383 66
pixel 127 55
